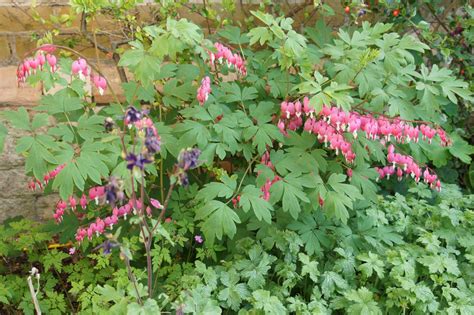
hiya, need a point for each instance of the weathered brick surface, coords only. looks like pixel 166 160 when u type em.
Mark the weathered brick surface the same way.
pixel 11 95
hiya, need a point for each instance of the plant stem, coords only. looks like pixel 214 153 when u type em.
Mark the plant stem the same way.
pixel 149 266
pixel 165 206
pixel 64 288
pixel 149 239
pixel 243 177
pixel 207 17
pixel 132 278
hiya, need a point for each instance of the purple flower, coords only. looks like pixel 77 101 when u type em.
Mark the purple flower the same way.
pixel 152 142
pixel 183 179
pixel 136 160
pixel 132 115
pixel 107 247
pixel 113 193
pixel 189 159
pixel 198 239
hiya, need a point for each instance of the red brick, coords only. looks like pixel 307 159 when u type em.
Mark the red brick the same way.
pixel 11 94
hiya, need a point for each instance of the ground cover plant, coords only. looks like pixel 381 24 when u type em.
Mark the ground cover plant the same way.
pixel 269 171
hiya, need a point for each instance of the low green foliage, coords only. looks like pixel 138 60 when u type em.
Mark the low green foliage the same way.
pixel 25 244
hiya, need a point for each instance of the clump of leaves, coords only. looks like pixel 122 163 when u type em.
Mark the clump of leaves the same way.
pixel 191 180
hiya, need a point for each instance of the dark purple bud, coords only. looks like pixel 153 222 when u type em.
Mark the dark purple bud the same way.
pixel 136 161
pixel 132 115
pixel 152 142
pixel 109 124
pixel 189 159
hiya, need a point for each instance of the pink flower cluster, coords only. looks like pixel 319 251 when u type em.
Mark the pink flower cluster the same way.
pixel 404 164
pixel 31 65
pixel 204 90
pixel 79 67
pixel 269 183
pixel 100 225
pixel 95 193
pixel 100 83
pixel 331 123
pixel 46 178
pixel 232 60
pixel 62 205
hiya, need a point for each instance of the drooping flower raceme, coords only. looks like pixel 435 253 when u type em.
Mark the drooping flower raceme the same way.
pixel 32 65
pixel 405 165
pixel 233 60
pixel 204 90
pixel 332 127
pixel 46 178
pixel 265 160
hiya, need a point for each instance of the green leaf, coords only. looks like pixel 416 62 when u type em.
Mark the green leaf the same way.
pixel 314 232
pixel 292 195
pixel 59 103
pixel 251 197
pixel 260 35
pixel 218 220
pixel 233 35
pixel 144 66
pixel 295 43
pixel 39 120
pixel 460 148
pixel 150 307
pixel 331 280
pixel 320 34
pixel 363 302
pixel 19 118
pixel 90 127
pixel 184 30
pixel 215 189
pixel 262 300
pixel 234 292
pixel 54 258
pixel 310 267
pixel 341 198
pixel 194 133
pixel 235 94
pixel 371 263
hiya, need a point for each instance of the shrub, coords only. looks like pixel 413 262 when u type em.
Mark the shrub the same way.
pixel 271 143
